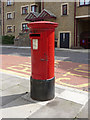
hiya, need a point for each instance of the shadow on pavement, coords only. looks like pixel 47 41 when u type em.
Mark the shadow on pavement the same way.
pixel 6 100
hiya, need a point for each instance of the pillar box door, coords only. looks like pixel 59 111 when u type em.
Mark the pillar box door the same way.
pixel 42 59
pixel 39 57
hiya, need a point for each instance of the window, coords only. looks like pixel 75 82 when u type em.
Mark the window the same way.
pixel 81 2
pixel 13 28
pixel 25 10
pixel 9 28
pixel 8 2
pixel 0 10
pixel 87 2
pixel 84 2
pixel 0 22
pixel 64 9
pixel 34 8
pixel 24 27
pixel 14 15
pixel 9 15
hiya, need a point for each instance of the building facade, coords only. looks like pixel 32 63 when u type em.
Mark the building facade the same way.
pixel 14 16
pixel 73 20
pixel 0 21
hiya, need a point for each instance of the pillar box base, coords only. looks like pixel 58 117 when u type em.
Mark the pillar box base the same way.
pixel 42 90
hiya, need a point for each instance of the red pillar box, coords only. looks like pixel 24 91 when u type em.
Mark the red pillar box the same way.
pixel 42 60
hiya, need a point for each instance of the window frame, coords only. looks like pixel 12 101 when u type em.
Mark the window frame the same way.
pixel 0 10
pixel 13 14
pixel 8 29
pixel 0 23
pixel 9 3
pixel 25 27
pixel 70 35
pixel 35 8
pixel 13 28
pixel 23 7
pixel 9 13
pixel 67 4
pixel 84 3
pixel 63 9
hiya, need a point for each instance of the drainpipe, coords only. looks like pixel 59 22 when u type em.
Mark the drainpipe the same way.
pixel 74 23
pixel 42 4
pixel 3 16
pixel 76 31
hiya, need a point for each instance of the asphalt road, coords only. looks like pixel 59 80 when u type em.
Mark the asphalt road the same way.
pixel 77 57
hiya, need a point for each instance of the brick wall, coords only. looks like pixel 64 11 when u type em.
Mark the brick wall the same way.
pixel 66 23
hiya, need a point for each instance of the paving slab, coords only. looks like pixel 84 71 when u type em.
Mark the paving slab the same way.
pixel 58 108
pixel 19 108
pixel 37 119
pixel 84 112
pixel 89 109
pixel 26 84
pixel 28 98
pixel 80 98
pixel 11 94
pixel 13 81
pixel 4 76
pixel 17 104
pixel 59 90
pixel 24 119
pixel 0 85
pixel 0 77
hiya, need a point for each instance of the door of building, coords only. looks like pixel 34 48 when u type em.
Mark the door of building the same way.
pixel 85 39
pixel 64 40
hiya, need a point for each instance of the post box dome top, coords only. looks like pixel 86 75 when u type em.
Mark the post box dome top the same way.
pixel 42 24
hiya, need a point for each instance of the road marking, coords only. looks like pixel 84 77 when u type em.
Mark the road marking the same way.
pixel 61 58
pixel 82 68
pixel 26 67
pixel 69 73
pixel 56 84
pixel 15 47
pixel 78 86
pixel 23 69
pixel 58 81
pixel 19 66
pixel 15 73
pixel 62 79
pixel 71 89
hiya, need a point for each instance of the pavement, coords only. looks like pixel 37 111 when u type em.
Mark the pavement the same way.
pixel 17 103
pixel 71 98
